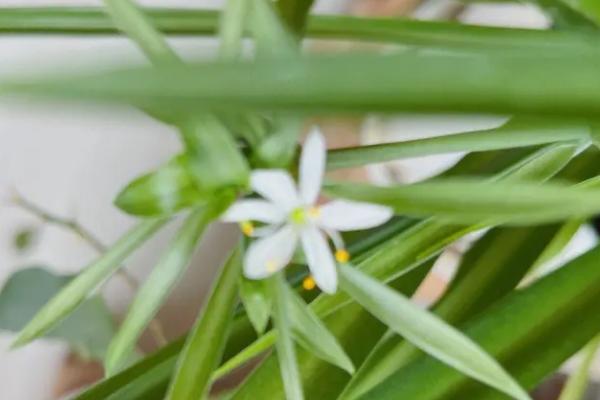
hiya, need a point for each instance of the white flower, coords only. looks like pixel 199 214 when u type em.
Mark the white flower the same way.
pixel 292 215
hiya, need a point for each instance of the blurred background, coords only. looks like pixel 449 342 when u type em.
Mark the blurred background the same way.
pixel 61 167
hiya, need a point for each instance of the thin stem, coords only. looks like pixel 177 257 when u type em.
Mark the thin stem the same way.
pixel 92 240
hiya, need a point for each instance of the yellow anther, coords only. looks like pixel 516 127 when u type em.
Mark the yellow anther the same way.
pixel 308 283
pixel 342 256
pixel 314 212
pixel 247 228
pixel 271 266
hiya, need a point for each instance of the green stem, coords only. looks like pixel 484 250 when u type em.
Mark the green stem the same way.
pixel 94 21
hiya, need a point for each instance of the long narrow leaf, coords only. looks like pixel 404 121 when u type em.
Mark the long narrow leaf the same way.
pixel 83 285
pixel 515 133
pixel 312 334
pixel 204 347
pixel 417 82
pixel 471 201
pixel 428 332
pixel 578 381
pixel 156 288
pixel 286 352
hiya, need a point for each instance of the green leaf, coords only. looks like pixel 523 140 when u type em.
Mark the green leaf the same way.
pixel 25 238
pixel 88 330
pixel 257 301
pixel 558 242
pixel 80 288
pixel 155 289
pixel 411 81
pixel 163 192
pixel 311 333
pixel 488 271
pixel 530 341
pixel 469 201
pixel 578 381
pixel 427 332
pixel 284 345
pixel 205 344
pixel 519 132
pixel 295 13
pixel 355 329
pixel 433 34
pixel 215 162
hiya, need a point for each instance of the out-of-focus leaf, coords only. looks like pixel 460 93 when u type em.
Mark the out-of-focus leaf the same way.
pixel 467 201
pixel 530 341
pixel 165 191
pixel 130 19
pixel 284 345
pixel 412 81
pixel 80 288
pixel 518 132
pixel 295 13
pixel 257 300
pixel 311 333
pixel 88 329
pixel 214 161
pixel 578 381
pixel 558 242
pixel 25 238
pixel 158 285
pixel 205 344
pixel 428 332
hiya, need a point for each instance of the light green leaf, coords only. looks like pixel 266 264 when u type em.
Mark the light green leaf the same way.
pixel 558 242
pixel 257 300
pixel 165 191
pixel 205 344
pixel 312 334
pixel 272 38
pixel 284 345
pixel 518 132
pixel 427 332
pixel 215 162
pixel 80 288
pixel 88 330
pixel 131 20
pixel 578 381
pixel 155 289
pixel 464 201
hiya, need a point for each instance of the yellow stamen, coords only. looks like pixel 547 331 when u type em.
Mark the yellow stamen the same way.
pixel 271 266
pixel 247 228
pixel 308 283
pixel 342 256
pixel 314 212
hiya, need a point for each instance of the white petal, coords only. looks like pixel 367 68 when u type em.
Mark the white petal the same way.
pixel 253 210
pixel 344 215
pixel 319 259
pixel 271 253
pixel 312 166
pixel 275 185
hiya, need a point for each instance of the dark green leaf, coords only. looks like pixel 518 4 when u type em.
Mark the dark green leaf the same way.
pixel 427 332
pixel 205 344
pixel 530 341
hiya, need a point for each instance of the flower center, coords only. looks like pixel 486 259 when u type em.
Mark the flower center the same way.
pixel 300 215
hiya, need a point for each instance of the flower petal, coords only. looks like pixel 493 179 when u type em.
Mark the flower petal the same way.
pixel 269 254
pixel 344 215
pixel 275 185
pixel 253 210
pixel 319 258
pixel 312 166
